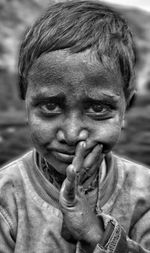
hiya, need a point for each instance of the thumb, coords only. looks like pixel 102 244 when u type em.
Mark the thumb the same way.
pixel 67 192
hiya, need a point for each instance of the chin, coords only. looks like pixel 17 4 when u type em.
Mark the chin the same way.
pixel 60 167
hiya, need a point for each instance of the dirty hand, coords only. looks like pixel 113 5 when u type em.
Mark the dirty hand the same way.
pixel 79 219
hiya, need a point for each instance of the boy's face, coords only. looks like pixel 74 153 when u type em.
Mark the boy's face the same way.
pixel 70 98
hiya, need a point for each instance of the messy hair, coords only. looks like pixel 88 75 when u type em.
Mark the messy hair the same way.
pixel 77 26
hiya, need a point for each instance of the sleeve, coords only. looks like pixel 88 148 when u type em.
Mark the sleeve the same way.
pixel 8 214
pixel 115 239
pixel 6 240
pixel 140 234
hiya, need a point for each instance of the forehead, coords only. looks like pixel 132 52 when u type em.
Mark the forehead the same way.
pixel 74 74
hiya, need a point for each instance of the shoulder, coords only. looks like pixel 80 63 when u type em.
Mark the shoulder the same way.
pixel 137 174
pixel 11 191
pixel 10 174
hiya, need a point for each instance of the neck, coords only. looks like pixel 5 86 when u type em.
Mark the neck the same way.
pixel 86 180
pixel 51 174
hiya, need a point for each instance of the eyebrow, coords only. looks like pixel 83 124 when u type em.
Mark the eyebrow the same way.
pixel 103 96
pixel 60 98
pixel 43 97
pixel 105 101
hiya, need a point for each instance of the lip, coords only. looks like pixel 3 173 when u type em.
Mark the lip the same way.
pixel 63 156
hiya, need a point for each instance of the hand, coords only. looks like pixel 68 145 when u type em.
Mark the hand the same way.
pixel 80 220
pixel 87 163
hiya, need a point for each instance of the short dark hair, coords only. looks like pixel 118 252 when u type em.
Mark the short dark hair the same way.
pixel 77 26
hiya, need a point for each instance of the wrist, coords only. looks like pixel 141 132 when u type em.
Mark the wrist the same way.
pixel 93 237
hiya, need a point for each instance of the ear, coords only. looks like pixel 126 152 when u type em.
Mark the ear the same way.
pixel 131 100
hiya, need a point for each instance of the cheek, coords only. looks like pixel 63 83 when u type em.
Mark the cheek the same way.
pixel 42 132
pixel 107 133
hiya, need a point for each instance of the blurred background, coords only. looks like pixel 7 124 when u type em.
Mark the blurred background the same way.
pixel 15 15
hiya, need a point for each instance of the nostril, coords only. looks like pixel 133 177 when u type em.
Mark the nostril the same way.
pixel 83 135
pixel 72 138
pixel 61 136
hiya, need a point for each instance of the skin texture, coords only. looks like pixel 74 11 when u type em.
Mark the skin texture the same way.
pixel 58 124
pixel 75 110
pixel 78 218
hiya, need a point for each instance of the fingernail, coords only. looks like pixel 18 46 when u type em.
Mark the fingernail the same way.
pixel 72 168
pixel 83 144
pixel 71 172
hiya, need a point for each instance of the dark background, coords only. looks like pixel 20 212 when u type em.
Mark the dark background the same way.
pixel 15 15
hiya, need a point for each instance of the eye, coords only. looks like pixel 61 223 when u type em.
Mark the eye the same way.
pixel 99 110
pixel 50 108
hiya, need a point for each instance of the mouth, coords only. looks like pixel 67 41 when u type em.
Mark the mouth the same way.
pixel 63 156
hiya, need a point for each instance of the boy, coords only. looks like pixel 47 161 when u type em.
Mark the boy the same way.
pixel 71 194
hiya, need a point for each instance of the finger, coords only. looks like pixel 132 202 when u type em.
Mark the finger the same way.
pixel 68 187
pixel 79 156
pixel 94 157
pixel 91 164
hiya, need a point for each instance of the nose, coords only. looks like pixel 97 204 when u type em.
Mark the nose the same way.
pixel 72 130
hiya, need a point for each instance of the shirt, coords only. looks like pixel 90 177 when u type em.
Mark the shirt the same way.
pixel 31 221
